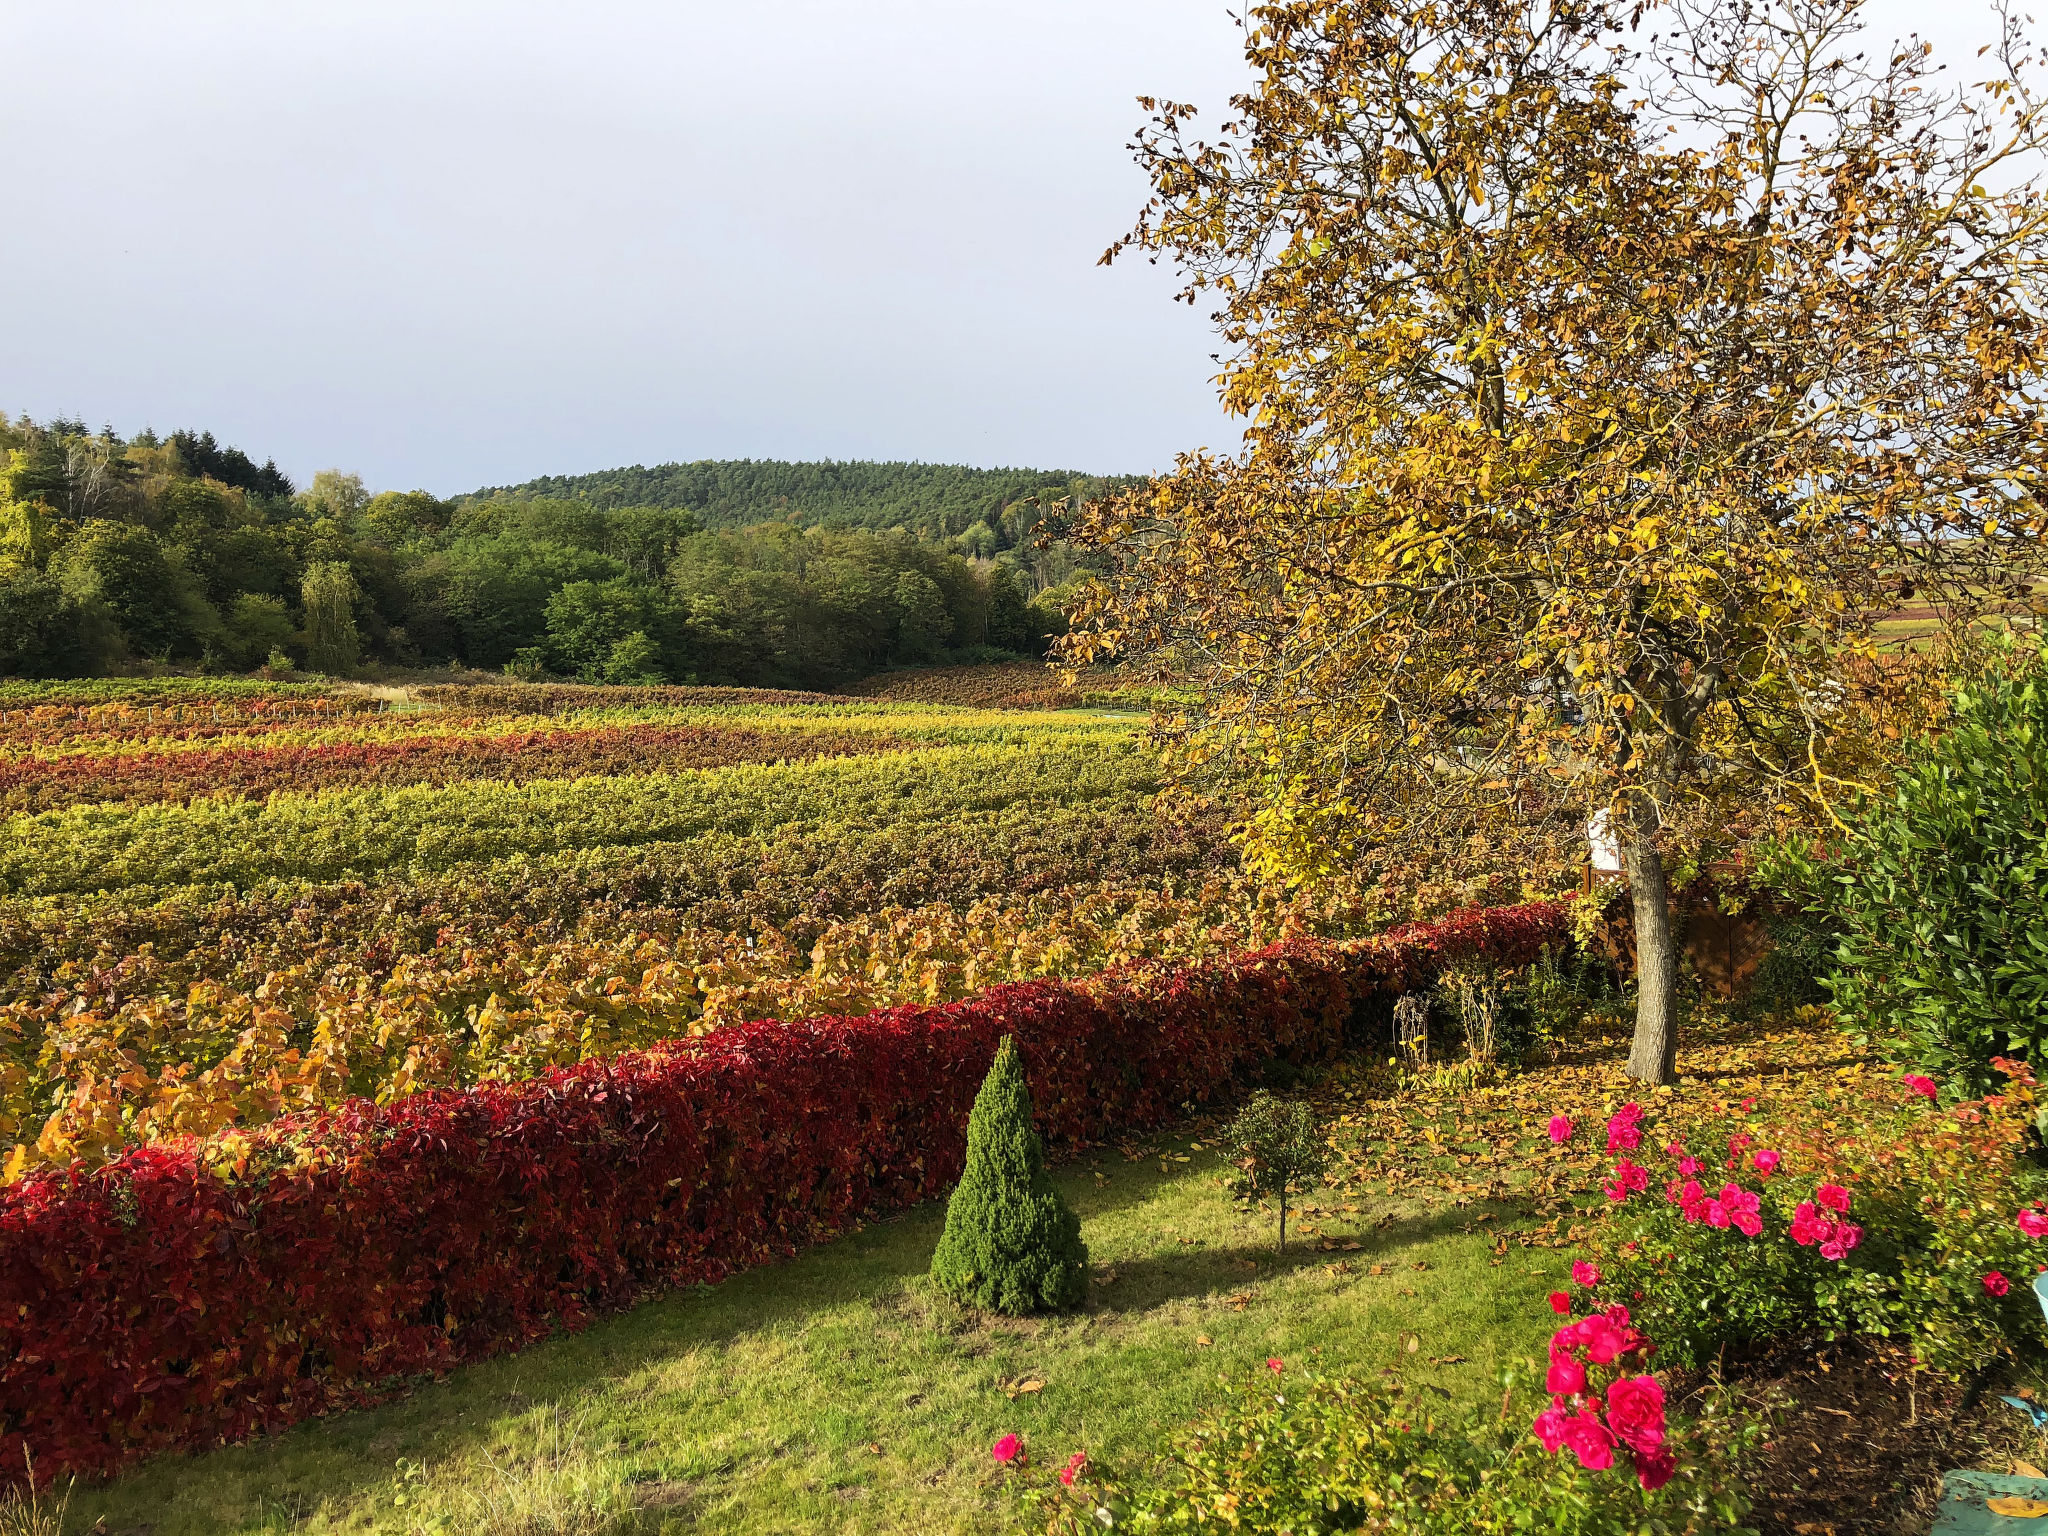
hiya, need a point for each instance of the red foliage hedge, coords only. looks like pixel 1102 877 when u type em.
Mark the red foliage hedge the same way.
pixel 155 1304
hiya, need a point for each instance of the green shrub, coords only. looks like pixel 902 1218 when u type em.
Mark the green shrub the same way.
pixel 1891 1220
pixel 1011 1243
pixel 1277 1149
pixel 1303 1455
pixel 1936 887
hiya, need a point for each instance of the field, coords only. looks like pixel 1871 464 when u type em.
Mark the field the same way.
pixel 220 903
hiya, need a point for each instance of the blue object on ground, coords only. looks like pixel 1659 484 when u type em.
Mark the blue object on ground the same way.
pixel 1963 1510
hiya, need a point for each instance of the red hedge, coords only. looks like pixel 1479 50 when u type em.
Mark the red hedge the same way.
pixel 153 1304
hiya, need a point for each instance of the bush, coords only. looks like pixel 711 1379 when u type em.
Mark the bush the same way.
pixel 185 1294
pixel 1937 887
pixel 1277 1149
pixel 1012 1243
pixel 1301 1454
pixel 1898 1221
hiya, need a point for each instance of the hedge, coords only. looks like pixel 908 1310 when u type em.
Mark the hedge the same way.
pixel 165 1301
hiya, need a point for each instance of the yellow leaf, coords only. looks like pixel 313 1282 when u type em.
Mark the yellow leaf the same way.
pixel 2014 1507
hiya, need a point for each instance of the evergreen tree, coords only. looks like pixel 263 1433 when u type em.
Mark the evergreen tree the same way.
pixel 1011 1243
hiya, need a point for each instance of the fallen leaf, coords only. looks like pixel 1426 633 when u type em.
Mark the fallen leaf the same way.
pixel 874 1448
pixel 2013 1507
pixel 1019 1387
pixel 1340 1268
pixel 2027 1469
pixel 1377 1269
pixel 1447 1360
pixel 1241 1300
pixel 1414 1343
pixel 1203 1341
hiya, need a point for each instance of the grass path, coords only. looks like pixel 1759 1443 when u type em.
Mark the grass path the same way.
pixel 837 1393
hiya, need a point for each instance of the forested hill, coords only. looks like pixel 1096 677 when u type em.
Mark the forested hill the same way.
pixel 933 500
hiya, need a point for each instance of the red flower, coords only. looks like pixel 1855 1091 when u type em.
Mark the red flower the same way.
pixel 1846 1236
pixel 2034 1221
pixel 1635 1411
pixel 1566 1378
pixel 1007 1449
pixel 1073 1467
pixel 1584 1273
pixel 1995 1284
pixel 1624 1133
pixel 1832 1197
pixel 1274 1364
pixel 1767 1162
pixel 1924 1086
pixel 1560 1303
pixel 1549 1428
pixel 1560 1129
pixel 1655 1470
pixel 1628 1179
pixel 1591 1441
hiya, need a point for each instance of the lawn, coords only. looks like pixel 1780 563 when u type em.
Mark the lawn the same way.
pixel 837 1392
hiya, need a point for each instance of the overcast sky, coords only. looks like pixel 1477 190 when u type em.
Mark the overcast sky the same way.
pixel 452 244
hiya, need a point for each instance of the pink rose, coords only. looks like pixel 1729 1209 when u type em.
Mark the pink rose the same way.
pixel 2034 1221
pixel 1654 1470
pixel 1549 1428
pixel 1924 1086
pixel 1628 1179
pixel 1635 1411
pixel 1767 1162
pixel 1007 1449
pixel 1741 1207
pixel 1832 1197
pixel 1560 1129
pixel 1584 1273
pixel 1565 1378
pixel 1809 1226
pixel 1605 1342
pixel 1843 1239
pixel 1073 1468
pixel 1624 1134
pixel 1687 1167
pixel 1995 1284
pixel 1590 1441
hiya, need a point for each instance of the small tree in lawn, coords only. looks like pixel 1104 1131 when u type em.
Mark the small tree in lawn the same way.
pixel 1011 1243
pixel 1278 1151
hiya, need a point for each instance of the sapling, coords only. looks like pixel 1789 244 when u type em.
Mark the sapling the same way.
pixel 1278 1151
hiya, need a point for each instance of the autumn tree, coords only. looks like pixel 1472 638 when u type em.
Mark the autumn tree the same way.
pixel 1609 371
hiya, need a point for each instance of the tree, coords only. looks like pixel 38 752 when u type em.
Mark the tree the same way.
pixel 329 594
pixel 923 623
pixel 1012 1243
pixel 1606 386
pixel 1278 1151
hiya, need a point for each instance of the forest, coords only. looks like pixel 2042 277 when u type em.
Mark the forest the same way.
pixel 985 508
pixel 183 551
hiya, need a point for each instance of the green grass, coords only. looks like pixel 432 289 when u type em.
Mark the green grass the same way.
pixel 840 1393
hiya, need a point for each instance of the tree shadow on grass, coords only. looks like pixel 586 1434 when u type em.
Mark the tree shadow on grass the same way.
pixel 1201 1271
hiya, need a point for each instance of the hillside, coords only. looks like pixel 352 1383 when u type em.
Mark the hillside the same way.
pixel 934 500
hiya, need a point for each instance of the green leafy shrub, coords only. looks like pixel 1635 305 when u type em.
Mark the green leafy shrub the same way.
pixel 1278 1150
pixel 1305 1455
pixel 1896 1220
pixel 1012 1243
pixel 1937 887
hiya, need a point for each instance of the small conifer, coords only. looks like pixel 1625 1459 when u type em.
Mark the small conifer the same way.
pixel 1011 1243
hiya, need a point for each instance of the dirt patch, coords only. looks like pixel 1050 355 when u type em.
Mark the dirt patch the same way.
pixel 1861 1440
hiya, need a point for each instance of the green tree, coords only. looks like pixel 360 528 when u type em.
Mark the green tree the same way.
pixel 328 595
pixel 923 622
pixel 1012 1243
pixel 124 569
pixel 1278 1151
pixel 255 625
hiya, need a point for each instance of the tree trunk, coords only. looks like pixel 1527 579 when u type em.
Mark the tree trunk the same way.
pixel 1283 1220
pixel 1654 1056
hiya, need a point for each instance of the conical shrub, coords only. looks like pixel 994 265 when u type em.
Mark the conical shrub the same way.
pixel 1011 1244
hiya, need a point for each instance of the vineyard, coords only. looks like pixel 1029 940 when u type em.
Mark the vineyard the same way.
pixel 225 903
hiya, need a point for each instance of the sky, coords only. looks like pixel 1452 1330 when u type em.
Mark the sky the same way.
pixel 449 244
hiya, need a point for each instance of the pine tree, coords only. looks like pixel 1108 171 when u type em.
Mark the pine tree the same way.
pixel 1011 1243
